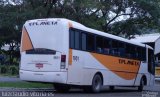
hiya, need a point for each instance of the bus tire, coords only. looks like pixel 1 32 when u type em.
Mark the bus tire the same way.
pixel 96 83
pixel 141 86
pixel 111 88
pixel 61 87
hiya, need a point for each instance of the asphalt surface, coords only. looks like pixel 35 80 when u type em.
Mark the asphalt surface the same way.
pixel 118 92
pixel 9 79
pixel 152 91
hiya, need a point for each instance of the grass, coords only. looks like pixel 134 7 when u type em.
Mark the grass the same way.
pixel 25 85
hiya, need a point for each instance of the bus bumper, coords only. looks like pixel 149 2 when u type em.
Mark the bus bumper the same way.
pixel 53 77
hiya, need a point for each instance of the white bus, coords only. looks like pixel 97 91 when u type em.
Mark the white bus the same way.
pixel 66 53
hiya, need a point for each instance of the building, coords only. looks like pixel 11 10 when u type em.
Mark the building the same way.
pixel 152 40
pixel 157 49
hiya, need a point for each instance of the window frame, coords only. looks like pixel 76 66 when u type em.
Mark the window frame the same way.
pixel 127 47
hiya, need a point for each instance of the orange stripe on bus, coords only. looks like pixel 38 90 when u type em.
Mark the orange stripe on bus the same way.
pixel 126 75
pixel 26 41
pixel 124 70
pixel 70 56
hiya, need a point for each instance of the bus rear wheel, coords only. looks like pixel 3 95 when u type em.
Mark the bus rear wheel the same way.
pixel 111 88
pixel 61 87
pixel 96 85
pixel 142 83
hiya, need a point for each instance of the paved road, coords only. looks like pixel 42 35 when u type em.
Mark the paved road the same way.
pixel 16 79
pixel 153 91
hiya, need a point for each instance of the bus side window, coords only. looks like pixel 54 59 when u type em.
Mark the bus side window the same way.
pixel 139 53
pixel 99 44
pixel 144 54
pixel 128 50
pixel 90 42
pixel 83 41
pixel 77 40
pixel 135 54
pixel 115 47
pixel 133 51
pixel 122 49
pixel 107 45
pixel 122 52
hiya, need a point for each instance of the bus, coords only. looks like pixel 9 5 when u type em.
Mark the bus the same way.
pixel 69 54
pixel 157 57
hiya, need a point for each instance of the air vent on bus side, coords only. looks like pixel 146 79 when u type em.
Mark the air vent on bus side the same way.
pixel 41 51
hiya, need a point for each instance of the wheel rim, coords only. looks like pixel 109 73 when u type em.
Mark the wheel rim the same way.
pixel 142 83
pixel 97 83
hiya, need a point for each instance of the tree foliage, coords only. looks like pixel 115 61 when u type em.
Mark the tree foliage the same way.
pixel 119 17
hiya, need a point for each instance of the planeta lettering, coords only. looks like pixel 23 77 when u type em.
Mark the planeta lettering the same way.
pixel 128 62
pixel 43 23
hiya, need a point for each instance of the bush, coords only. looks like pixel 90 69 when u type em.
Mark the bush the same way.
pixel 3 69
pixel 9 70
pixel 13 70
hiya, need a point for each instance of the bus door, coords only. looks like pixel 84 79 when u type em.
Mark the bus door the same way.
pixel 151 66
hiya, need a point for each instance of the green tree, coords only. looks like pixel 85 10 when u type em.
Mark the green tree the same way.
pixel 119 17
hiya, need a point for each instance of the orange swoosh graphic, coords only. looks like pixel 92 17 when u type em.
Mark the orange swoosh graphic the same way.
pixel 127 69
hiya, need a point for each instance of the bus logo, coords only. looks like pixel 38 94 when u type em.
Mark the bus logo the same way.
pixel 39 65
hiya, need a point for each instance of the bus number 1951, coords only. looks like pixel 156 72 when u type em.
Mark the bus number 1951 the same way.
pixel 75 58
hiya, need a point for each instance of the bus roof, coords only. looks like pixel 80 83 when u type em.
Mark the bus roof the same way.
pixel 84 28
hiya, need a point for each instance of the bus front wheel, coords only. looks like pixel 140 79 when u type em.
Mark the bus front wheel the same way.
pixel 142 83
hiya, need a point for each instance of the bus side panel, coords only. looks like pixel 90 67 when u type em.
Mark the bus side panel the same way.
pixel 91 66
pixel 143 71
pixel 139 76
pixel 109 78
pixel 75 67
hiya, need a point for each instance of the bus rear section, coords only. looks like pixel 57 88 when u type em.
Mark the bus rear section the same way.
pixel 43 56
